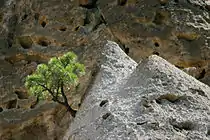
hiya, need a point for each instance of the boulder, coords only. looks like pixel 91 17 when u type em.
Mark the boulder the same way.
pixel 154 100
pixel 176 30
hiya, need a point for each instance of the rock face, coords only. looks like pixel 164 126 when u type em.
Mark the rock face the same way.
pixel 33 31
pixel 154 100
pixel 177 30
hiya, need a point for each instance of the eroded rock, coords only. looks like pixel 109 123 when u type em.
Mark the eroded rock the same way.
pixel 41 30
pixel 154 100
pixel 175 30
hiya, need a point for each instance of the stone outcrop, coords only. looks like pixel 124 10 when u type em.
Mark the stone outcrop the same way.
pixel 154 100
pixel 177 30
pixel 32 31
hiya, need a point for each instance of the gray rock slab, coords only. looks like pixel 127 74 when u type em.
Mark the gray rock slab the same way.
pixel 154 100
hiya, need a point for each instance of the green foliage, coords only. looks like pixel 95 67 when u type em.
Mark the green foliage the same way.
pixel 50 79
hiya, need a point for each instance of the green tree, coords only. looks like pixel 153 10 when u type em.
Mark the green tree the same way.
pixel 52 79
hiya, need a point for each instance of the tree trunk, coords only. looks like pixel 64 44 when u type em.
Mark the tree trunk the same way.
pixel 71 111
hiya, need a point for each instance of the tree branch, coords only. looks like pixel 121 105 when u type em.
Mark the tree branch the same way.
pixel 55 98
pixel 63 94
pixel 46 89
pixel 65 103
pixel 58 86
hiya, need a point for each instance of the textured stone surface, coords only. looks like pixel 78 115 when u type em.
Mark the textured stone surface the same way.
pixel 154 100
pixel 32 31
pixel 178 31
pixel 43 122
pixel 48 31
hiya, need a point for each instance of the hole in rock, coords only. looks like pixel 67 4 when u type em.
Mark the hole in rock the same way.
pixel 12 104
pixel 105 116
pixel 21 94
pixel 169 97
pixel 103 103
pixel 43 23
pixel 141 123
pixel 198 91
pixel 62 29
pixel 180 67
pixel 202 74
pixel 94 73
pixel 176 1
pixel 63 44
pixel 161 17
pixel 157 44
pixel 33 106
pixel 9 42
pixel 24 16
pixel 1 16
pixel 156 53
pixel 127 50
pixel 1 109
pixel 77 28
pixel 186 125
pixel 43 42
pixel 208 131
pixel 121 2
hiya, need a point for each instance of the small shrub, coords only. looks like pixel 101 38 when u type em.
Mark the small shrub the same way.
pixel 50 80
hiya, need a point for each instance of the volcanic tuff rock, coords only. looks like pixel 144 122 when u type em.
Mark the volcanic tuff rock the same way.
pixel 154 100
pixel 32 31
pixel 177 30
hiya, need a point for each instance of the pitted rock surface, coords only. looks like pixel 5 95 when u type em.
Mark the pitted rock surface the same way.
pixel 178 31
pixel 32 31
pixel 154 100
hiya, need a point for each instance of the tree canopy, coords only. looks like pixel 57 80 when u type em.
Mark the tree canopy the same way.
pixel 51 79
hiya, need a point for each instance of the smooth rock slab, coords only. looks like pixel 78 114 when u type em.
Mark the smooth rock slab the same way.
pixel 154 100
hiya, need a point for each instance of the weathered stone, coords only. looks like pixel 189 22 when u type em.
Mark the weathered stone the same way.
pixel 53 32
pixel 175 30
pixel 180 29
pixel 154 100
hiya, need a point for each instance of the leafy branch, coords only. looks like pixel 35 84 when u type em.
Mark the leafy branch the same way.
pixel 52 78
